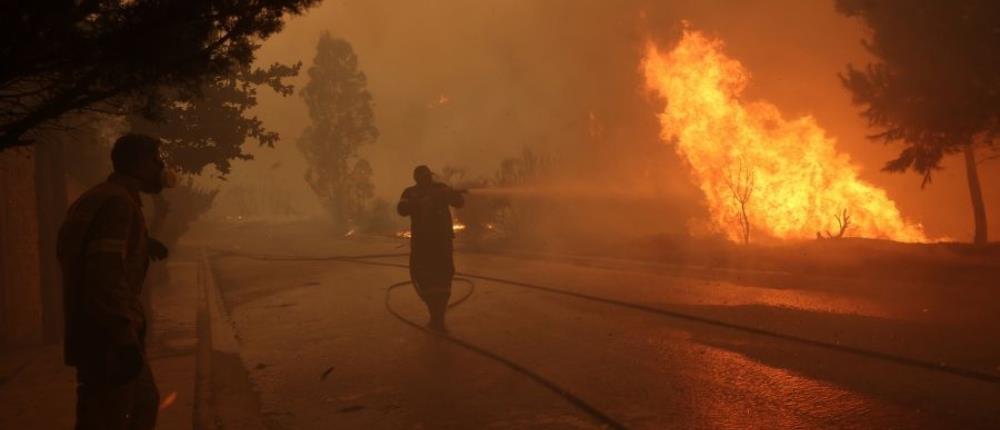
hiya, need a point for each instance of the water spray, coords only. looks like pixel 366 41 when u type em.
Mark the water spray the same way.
pixel 563 192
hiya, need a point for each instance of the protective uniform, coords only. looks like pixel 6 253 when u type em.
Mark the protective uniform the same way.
pixel 431 264
pixel 103 253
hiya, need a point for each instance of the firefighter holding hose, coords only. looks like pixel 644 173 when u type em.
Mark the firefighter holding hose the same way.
pixel 431 264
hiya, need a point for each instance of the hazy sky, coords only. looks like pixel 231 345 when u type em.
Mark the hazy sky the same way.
pixel 543 73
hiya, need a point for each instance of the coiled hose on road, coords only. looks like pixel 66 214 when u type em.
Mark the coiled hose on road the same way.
pixel 467 277
pixel 604 419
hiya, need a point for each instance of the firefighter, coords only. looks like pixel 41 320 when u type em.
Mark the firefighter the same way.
pixel 431 264
pixel 104 251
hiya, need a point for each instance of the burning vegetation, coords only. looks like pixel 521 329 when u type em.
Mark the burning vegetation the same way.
pixel 781 178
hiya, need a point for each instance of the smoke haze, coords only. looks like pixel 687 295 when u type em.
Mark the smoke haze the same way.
pixel 467 84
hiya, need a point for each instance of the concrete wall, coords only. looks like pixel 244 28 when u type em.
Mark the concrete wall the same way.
pixel 20 286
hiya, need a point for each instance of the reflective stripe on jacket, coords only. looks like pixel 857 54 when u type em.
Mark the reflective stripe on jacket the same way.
pixel 103 256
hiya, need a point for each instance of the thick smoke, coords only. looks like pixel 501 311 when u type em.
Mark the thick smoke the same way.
pixel 468 84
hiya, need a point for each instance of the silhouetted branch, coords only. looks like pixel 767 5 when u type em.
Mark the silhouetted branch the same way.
pixel 741 183
pixel 843 222
pixel 65 57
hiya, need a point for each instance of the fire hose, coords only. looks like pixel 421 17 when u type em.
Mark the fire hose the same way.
pixel 570 397
pixel 576 401
pixel 567 395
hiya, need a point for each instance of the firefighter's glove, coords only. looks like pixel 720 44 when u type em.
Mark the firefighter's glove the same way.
pixel 123 364
pixel 157 250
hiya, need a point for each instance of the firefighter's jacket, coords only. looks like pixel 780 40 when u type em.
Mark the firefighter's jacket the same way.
pixel 431 264
pixel 427 207
pixel 103 254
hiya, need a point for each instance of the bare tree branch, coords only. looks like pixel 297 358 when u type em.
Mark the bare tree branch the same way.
pixel 843 222
pixel 742 183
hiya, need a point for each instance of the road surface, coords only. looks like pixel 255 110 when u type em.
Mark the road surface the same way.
pixel 553 342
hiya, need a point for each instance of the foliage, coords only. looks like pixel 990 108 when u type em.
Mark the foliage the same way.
pixel 517 171
pixel 497 215
pixel 86 148
pixel 479 213
pixel 935 86
pixel 183 204
pixel 343 121
pixel 209 127
pixel 120 56
pixel 206 128
pixel 516 218
pixel 381 218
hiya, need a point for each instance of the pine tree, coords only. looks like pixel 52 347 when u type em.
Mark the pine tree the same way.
pixel 934 86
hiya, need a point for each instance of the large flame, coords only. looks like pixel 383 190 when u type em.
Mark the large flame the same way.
pixel 800 184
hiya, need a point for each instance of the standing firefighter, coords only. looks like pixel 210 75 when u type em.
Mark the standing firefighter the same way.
pixel 431 264
pixel 104 252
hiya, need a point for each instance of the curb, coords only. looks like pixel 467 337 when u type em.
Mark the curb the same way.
pixel 223 338
pixel 224 393
pixel 203 416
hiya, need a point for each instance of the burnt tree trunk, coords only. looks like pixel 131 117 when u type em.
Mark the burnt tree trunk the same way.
pixel 745 221
pixel 976 193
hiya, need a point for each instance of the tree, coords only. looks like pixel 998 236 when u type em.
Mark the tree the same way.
pixel 935 87
pixel 343 121
pixel 518 217
pixel 843 224
pixel 207 128
pixel 741 185
pixel 72 69
pixel 119 56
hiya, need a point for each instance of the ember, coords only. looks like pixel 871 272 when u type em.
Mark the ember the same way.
pixel 406 234
pixel 168 401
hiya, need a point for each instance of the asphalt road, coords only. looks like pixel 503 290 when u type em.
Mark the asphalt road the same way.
pixel 644 346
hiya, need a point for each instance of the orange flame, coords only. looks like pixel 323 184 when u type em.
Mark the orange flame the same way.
pixel 407 234
pixel 800 183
